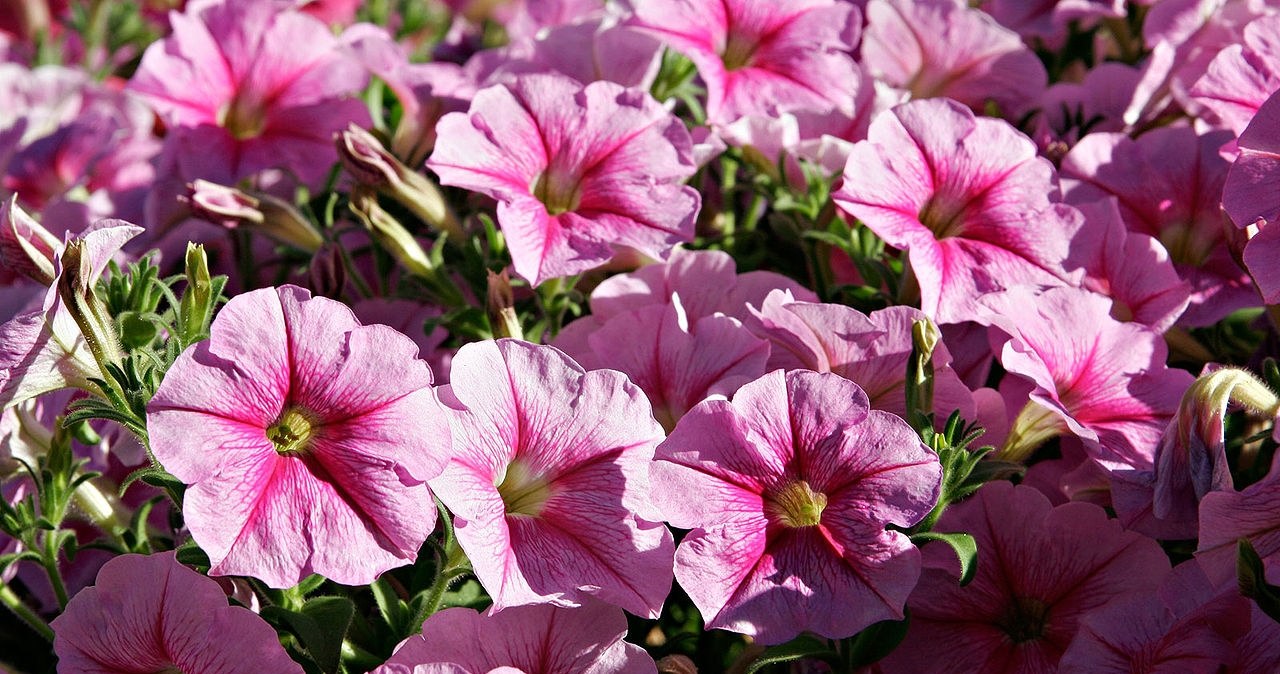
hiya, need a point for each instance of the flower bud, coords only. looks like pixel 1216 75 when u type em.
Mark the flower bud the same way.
pixel 372 165
pixel 327 273
pixel 198 299
pixel 501 304
pixel 390 234
pixel 26 247
pixel 232 208
pixel 75 289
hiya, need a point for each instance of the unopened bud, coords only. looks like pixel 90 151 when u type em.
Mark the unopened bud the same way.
pixel 198 298
pixel 26 247
pixel 75 288
pixel 232 208
pixel 327 272
pixel 919 385
pixel 372 165
pixel 390 234
pixel 500 301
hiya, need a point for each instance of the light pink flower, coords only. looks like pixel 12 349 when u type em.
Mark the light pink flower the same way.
pixel 1094 377
pixel 300 455
pixel 576 170
pixel 788 489
pixel 870 350
pixel 1068 111
pixel 246 86
pixel 1168 183
pixel 1242 76
pixel 1131 268
pixel 1250 196
pixel 761 56
pixel 1227 515
pixel 151 614
pixel 675 361
pixel 1040 571
pixel 549 482
pixel 944 48
pixel 967 197
pixel 585 640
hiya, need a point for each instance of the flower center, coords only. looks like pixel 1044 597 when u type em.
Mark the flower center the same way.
pixel 796 505
pixel 1188 244
pixel 243 119
pixel 1034 426
pixel 942 216
pixel 523 492
pixel 558 190
pixel 1025 620
pixel 738 50
pixel 291 433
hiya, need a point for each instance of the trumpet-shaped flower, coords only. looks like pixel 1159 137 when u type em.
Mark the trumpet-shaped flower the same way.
pixel 943 48
pixel 522 639
pixel 1093 376
pixel 968 199
pixel 1242 76
pixel 761 56
pixel 549 481
pixel 1251 197
pixel 151 614
pixel 300 455
pixel 247 86
pixel 788 489
pixel 1169 185
pixel 1042 569
pixel 575 170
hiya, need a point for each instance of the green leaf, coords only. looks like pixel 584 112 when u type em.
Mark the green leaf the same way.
pixel 875 642
pixel 1250 576
pixel 800 648
pixel 394 611
pixel 190 554
pixel 332 616
pixel 965 547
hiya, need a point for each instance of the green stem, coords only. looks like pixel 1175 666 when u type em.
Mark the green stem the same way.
pixel 50 564
pixel 456 565
pixel 35 622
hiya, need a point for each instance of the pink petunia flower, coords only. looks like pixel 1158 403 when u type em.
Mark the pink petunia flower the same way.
pixel 586 640
pixel 944 48
pixel 300 455
pixel 675 361
pixel 967 197
pixel 788 489
pixel 1250 196
pixel 1041 570
pixel 576 171
pixel 760 56
pixel 1050 20
pixel 549 482
pixel 1097 378
pixel 1227 515
pixel 151 614
pixel 1168 183
pixel 1242 76
pixel 869 350
pixel 246 86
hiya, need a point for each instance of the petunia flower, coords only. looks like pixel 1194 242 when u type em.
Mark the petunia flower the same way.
pixel 1051 20
pixel 869 350
pixel 760 56
pixel 967 197
pixel 575 170
pixel 247 86
pixel 1041 570
pixel 944 48
pixel 788 489
pixel 1242 76
pixel 148 613
pixel 1092 376
pixel 522 639
pixel 1250 196
pixel 549 481
pixel 1169 185
pixel 300 455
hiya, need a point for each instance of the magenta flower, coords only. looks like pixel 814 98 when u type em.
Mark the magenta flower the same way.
pixel 300 455
pixel 247 86
pixel 675 361
pixel 549 481
pixel 1169 185
pixel 760 56
pixel 1097 378
pixel 586 640
pixel 943 48
pixel 1050 20
pixel 576 171
pixel 967 197
pixel 1041 570
pixel 1227 515
pixel 1242 76
pixel 788 489
pixel 871 351
pixel 1250 197
pixel 151 614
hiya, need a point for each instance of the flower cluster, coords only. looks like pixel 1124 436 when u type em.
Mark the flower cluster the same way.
pixel 653 336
